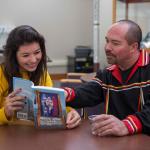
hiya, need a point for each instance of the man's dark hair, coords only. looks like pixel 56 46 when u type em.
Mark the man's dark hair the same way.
pixel 134 33
pixel 19 36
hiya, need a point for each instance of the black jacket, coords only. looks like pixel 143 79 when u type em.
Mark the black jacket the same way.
pixel 121 98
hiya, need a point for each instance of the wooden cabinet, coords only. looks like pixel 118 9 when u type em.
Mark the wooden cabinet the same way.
pixel 127 2
pixel 134 1
pixel 135 10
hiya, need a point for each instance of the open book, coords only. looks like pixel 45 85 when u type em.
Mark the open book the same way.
pixel 46 106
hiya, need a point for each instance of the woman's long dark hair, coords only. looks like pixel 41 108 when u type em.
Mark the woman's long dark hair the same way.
pixel 19 36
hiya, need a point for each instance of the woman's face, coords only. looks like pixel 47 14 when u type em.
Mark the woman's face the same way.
pixel 28 56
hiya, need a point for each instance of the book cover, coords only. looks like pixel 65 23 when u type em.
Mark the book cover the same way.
pixel 45 105
pixel 27 112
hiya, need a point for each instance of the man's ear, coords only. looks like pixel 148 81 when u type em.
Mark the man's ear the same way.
pixel 133 47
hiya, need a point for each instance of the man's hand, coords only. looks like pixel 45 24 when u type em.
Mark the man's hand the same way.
pixel 107 125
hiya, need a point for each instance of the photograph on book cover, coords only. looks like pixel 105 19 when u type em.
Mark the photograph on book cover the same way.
pixel 49 105
pixel 49 112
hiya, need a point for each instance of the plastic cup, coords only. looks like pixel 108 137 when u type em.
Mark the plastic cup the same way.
pixel 91 117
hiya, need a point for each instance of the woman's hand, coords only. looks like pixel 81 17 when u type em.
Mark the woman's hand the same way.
pixel 73 119
pixel 13 103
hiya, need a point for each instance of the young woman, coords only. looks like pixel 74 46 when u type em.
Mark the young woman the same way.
pixel 24 56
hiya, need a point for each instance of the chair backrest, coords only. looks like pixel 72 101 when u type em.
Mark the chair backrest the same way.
pixel 70 82
pixel 74 75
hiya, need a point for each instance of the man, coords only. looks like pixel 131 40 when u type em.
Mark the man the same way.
pixel 124 86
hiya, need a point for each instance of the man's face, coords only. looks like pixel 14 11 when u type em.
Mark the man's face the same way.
pixel 117 48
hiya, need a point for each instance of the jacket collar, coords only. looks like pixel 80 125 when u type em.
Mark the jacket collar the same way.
pixel 142 61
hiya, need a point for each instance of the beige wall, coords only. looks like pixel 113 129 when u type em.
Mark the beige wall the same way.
pixel 106 15
pixel 64 23
pixel 67 23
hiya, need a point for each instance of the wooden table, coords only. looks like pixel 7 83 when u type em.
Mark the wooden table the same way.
pixel 28 138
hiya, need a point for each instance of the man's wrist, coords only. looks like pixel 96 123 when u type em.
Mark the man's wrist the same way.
pixel 70 94
pixel 133 124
